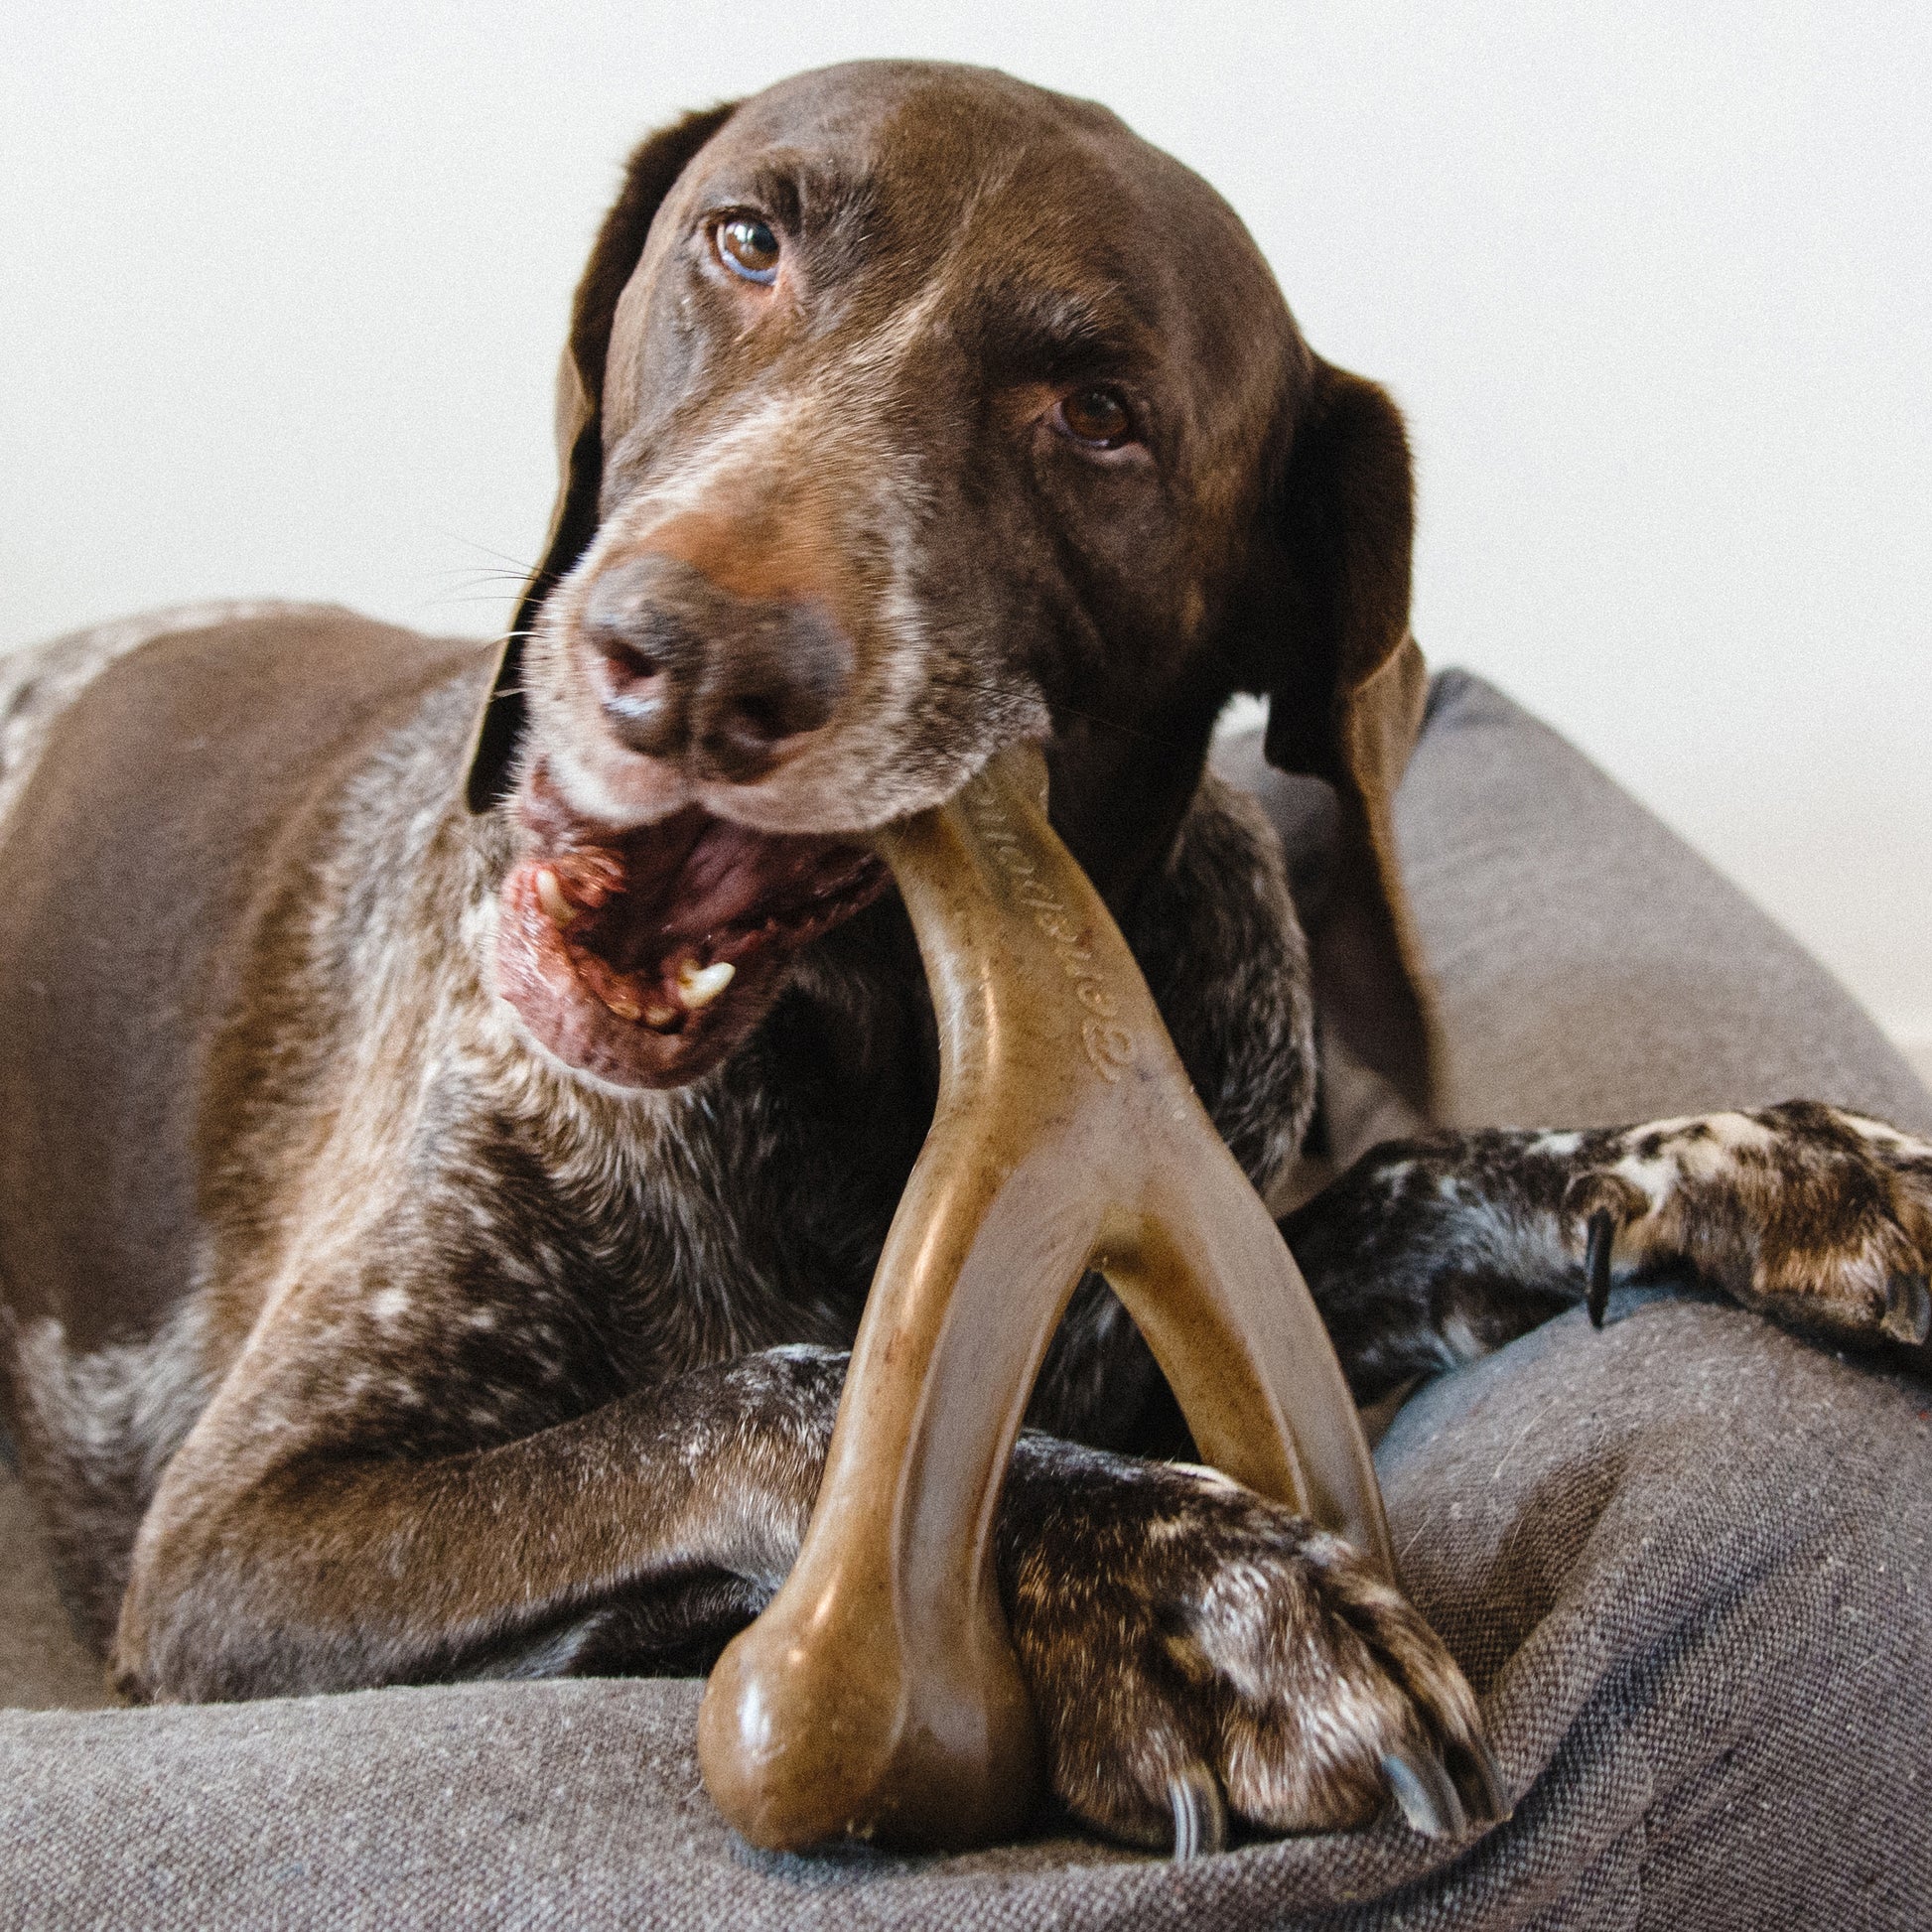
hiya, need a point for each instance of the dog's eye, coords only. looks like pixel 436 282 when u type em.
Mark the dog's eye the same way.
pixel 1096 417
pixel 747 247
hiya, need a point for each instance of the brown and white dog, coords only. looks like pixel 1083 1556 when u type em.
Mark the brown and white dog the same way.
pixel 430 1222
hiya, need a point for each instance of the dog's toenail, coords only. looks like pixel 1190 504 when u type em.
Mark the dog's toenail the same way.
pixel 1485 1793
pixel 1421 1787
pixel 1200 1818
pixel 1597 1263
pixel 1908 1309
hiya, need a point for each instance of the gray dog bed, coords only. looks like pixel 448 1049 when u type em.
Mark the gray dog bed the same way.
pixel 1681 1560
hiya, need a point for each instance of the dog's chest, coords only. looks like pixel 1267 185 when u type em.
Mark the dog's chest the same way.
pixel 750 1216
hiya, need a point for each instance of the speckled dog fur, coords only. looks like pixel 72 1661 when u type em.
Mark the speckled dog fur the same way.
pixel 351 1337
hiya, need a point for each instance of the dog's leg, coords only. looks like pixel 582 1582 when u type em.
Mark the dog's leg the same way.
pixel 1179 1636
pixel 1432 1251
pixel 1183 1639
pixel 292 1550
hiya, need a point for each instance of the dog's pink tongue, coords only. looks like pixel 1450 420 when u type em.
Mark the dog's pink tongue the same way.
pixel 645 956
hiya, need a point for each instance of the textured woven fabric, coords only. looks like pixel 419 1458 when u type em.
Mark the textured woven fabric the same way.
pixel 1681 1560
pixel 1592 968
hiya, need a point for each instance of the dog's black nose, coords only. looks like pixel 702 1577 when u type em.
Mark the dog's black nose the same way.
pixel 685 668
pixel 644 654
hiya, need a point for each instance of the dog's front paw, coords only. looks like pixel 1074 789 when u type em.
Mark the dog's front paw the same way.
pixel 1186 1641
pixel 1820 1217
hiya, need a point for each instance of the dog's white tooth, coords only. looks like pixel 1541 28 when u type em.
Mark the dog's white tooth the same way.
pixel 660 1017
pixel 623 1005
pixel 700 984
pixel 550 895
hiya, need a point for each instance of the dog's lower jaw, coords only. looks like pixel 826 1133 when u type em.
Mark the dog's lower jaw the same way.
pixel 646 956
pixel 606 1029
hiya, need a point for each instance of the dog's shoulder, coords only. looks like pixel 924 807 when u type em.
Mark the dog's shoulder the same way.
pixel 156 773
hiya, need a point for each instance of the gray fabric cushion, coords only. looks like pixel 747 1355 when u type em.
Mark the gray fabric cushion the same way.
pixel 1590 966
pixel 1678 1558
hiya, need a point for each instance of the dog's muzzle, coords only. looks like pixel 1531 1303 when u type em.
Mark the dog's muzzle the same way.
pixel 689 671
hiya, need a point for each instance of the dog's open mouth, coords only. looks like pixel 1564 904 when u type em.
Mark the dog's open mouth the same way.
pixel 644 957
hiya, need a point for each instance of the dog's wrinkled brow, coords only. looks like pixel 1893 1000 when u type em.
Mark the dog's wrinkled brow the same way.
pixel 801 192
pixel 1055 332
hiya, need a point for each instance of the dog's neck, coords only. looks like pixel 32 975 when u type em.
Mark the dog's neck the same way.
pixel 864 983
pixel 1119 810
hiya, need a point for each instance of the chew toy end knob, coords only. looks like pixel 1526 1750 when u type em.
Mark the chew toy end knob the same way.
pixel 818 1726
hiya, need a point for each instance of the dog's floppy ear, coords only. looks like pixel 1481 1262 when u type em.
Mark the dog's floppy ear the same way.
pixel 1346 686
pixel 647 178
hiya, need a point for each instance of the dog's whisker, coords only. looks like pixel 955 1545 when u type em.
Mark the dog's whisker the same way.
pixel 469 577
pixel 517 564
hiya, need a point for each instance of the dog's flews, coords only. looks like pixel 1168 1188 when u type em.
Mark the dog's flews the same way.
pixel 429 1237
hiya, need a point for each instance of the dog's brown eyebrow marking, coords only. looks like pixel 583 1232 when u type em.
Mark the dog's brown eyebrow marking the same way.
pixel 801 193
pixel 769 186
pixel 1028 328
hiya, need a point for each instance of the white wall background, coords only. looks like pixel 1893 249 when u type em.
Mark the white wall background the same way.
pixel 281 290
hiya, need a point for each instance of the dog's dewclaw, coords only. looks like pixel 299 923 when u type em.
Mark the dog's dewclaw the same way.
pixel 878 1696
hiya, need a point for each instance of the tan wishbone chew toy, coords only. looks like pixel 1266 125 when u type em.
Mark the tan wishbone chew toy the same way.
pixel 878 1696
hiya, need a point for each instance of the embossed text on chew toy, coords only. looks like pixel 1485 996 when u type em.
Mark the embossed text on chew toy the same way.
pixel 1108 1044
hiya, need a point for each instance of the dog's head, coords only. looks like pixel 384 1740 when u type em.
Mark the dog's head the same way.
pixel 909 410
